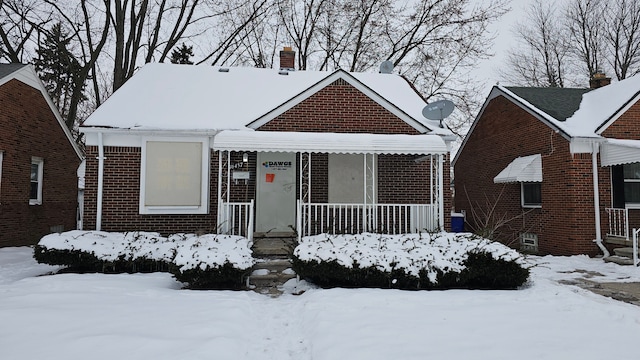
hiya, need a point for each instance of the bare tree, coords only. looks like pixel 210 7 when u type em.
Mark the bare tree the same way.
pixel 20 25
pixel 543 58
pixel 623 37
pixel 300 20
pixel 585 22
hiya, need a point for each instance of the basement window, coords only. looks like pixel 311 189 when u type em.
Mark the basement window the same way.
pixel 529 242
pixel 174 176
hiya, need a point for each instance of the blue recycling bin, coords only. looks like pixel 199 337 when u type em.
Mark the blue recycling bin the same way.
pixel 457 222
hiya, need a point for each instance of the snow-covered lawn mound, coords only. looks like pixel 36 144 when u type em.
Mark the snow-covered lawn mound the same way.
pixel 427 255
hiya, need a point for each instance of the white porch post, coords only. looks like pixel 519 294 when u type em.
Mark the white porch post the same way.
pixel 364 194
pixel 100 182
pixel 219 191
pixel 441 191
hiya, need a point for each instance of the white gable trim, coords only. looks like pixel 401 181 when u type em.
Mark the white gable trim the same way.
pixel 614 117
pixel 27 75
pixel 338 74
pixel 521 169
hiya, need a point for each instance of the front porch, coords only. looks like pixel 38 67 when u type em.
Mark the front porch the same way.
pixel 375 211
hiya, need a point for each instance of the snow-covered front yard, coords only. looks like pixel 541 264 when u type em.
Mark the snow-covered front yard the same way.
pixel 129 316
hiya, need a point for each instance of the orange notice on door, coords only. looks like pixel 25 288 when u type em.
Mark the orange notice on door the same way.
pixel 270 177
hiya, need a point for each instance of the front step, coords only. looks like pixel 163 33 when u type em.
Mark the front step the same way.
pixel 620 260
pixel 269 247
pixel 623 256
pixel 269 274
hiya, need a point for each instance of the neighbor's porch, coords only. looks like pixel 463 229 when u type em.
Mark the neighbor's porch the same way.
pixel 371 214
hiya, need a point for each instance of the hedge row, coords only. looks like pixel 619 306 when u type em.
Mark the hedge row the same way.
pixel 482 271
pixel 225 276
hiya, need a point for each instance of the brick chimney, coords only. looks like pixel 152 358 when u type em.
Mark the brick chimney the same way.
pixel 287 59
pixel 599 79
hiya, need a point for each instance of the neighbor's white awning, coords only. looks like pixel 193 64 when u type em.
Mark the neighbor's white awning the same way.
pixel 618 152
pixel 281 141
pixel 522 169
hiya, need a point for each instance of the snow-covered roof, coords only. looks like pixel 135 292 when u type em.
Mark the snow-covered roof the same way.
pixel 329 142
pixel 196 98
pixel 597 110
pixel 600 107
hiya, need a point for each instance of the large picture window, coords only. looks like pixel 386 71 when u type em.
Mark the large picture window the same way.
pixel 174 177
pixel 531 194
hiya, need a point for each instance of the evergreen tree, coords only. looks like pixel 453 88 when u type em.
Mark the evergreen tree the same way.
pixel 58 69
pixel 182 55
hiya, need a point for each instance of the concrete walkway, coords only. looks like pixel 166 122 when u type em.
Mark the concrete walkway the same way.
pixel 627 292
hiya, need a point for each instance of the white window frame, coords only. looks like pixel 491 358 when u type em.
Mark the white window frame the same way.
pixel 529 206
pixel 40 162
pixel 203 208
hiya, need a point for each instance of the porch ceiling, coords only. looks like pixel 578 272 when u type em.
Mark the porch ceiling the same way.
pixel 277 141
pixel 618 152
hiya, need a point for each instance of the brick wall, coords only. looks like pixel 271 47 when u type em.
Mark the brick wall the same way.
pixel 337 108
pixel 565 224
pixel 121 184
pixel 28 129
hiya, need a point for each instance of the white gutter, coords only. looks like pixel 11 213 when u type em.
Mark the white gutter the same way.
pixel 100 182
pixel 596 199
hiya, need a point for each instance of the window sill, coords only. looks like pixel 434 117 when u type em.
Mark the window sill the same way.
pixel 35 202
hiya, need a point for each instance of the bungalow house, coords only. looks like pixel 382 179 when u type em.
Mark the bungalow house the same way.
pixel 554 170
pixel 38 161
pixel 273 152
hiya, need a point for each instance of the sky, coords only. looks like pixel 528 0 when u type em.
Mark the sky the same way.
pixel 129 316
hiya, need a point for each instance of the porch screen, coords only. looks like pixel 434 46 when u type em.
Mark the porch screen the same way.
pixel 173 173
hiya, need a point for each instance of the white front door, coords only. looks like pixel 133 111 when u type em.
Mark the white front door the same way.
pixel 276 198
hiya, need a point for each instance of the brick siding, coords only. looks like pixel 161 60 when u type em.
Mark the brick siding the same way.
pixel 28 129
pixel 565 224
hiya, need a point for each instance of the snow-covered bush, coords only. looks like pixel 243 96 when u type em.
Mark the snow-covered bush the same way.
pixel 410 261
pixel 209 256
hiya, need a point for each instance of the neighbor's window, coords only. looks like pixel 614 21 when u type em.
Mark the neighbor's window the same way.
pixel 531 194
pixel 35 192
pixel 631 183
pixel 174 177
pixel 1 157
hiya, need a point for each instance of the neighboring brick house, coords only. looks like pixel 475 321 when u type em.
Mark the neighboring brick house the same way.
pixel 38 161
pixel 554 170
pixel 212 149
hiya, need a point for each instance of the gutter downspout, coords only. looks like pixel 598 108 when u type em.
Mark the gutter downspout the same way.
pixel 100 182
pixel 596 200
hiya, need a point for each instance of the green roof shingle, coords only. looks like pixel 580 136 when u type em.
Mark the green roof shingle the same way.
pixel 560 103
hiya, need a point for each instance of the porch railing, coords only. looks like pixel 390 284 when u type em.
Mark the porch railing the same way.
pixel 334 218
pixel 236 218
pixel 618 222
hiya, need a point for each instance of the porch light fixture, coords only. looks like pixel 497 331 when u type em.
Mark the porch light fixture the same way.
pixel 245 158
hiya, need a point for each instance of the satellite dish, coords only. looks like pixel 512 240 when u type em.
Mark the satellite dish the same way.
pixel 438 110
pixel 386 67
